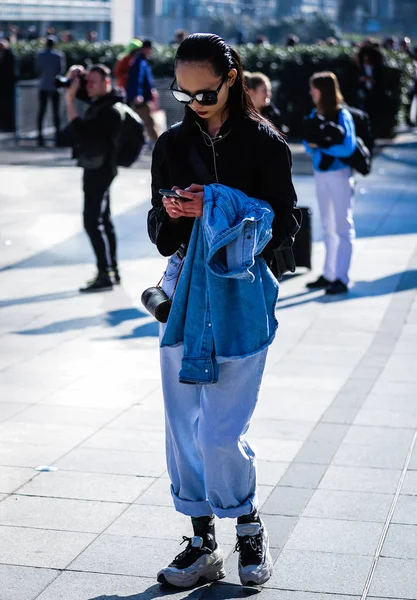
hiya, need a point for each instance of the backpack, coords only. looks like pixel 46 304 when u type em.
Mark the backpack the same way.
pixel 131 138
pixel 361 159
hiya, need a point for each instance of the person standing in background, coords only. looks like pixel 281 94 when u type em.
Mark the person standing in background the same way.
pixel 124 63
pixel 49 64
pixel 260 91
pixel 8 78
pixel 334 186
pixel 141 91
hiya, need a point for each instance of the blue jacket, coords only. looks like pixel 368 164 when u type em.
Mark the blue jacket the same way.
pixel 140 80
pixel 224 304
pixel 338 150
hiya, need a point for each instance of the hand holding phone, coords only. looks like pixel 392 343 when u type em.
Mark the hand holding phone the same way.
pixel 173 194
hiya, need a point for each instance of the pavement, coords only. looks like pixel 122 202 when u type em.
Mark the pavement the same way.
pixel 335 428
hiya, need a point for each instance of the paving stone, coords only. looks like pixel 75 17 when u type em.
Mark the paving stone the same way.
pixel 87 486
pixel 279 528
pixel 341 415
pixel 10 409
pixel 413 461
pixel 273 594
pixel 320 572
pixel 114 439
pixel 41 548
pixel 391 402
pixel 24 583
pixel 157 522
pixel 389 457
pixel 357 479
pixel 401 542
pixel 44 433
pixel 64 415
pixel 12 478
pixel 117 462
pixel 287 501
pixel 57 513
pixel 121 555
pixel 303 475
pixel 29 455
pixel 98 586
pixel 335 536
pixel 277 450
pixel 141 418
pixel 394 388
pixel 356 506
pixel 379 436
pixel 270 472
pixel 351 397
pixel 410 483
pixel 395 578
pixel 386 418
pixel 406 510
pixel 315 452
pixel 158 494
pixel 328 432
pixel 280 429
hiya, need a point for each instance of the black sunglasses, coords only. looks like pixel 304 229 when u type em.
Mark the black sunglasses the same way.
pixel 203 97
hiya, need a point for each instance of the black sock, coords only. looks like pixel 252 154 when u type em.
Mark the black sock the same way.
pixel 253 517
pixel 204 527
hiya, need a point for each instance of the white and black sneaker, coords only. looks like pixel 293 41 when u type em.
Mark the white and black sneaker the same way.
pixel 255 561
pixel 194 563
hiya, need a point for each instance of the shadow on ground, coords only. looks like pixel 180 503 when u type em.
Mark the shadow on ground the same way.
pixel 398 282
pixel 147 327
pixel 215 591
pixel 112 318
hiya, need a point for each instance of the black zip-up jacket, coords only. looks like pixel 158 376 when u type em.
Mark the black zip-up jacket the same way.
pixel 249 156
pixel 96 135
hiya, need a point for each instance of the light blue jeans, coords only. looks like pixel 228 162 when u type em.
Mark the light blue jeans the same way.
pixel 210 463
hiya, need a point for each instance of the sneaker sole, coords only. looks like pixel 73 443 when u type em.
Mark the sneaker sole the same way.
pixel 265 574
pixel 186 580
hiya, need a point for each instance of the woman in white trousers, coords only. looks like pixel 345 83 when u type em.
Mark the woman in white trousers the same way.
pixel 334 182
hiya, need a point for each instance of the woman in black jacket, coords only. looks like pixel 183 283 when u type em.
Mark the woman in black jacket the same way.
pixel 211 465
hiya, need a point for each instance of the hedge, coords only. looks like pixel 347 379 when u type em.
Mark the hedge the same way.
pixel 291 68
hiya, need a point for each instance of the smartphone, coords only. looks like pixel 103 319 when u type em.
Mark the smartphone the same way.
pixel 173 194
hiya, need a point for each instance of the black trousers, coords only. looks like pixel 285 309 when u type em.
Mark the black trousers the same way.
pixel 97 217
pixel 54 97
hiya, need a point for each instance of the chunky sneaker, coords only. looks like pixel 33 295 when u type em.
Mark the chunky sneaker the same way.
pixel 194 563
pixel 101 283
pixel 255 561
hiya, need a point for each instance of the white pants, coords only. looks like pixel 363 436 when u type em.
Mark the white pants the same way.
pixel 335 191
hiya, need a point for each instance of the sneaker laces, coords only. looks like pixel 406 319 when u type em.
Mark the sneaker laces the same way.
pixel 250 548
pixel 190 548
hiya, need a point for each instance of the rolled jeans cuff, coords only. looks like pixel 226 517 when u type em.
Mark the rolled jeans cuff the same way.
pixel 191 508
pixel 203 508
pixel 246 508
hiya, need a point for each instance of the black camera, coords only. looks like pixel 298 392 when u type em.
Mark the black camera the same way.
pixel 65 82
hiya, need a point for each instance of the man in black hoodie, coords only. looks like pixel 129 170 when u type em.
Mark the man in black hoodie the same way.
pixel 95 138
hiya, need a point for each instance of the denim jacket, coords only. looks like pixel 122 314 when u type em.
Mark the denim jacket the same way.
pixel 224 304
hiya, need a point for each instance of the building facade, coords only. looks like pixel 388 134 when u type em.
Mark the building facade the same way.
pixel 77 16
pixel 285 8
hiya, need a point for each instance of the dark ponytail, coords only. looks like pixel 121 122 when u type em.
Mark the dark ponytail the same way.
pixel 212 49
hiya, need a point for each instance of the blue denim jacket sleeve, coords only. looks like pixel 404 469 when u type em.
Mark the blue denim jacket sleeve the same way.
pixel 237 229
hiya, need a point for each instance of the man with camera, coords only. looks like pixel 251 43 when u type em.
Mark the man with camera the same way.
pixel 95 138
